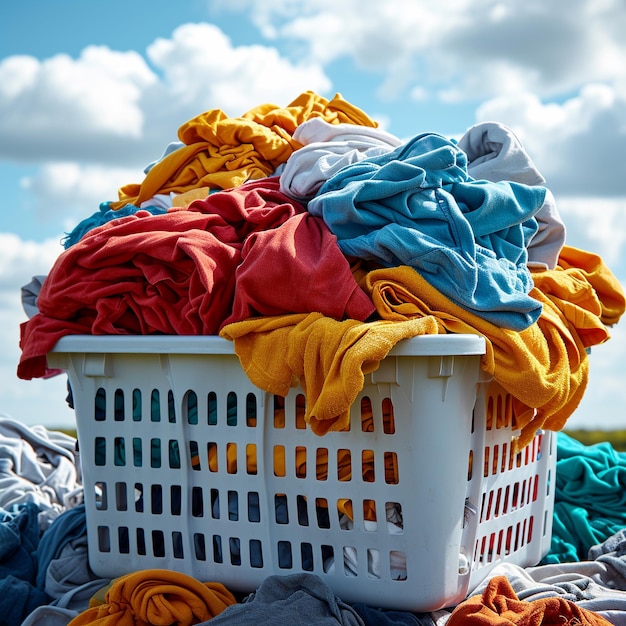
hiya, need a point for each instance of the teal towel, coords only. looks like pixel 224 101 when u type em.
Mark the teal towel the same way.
pixel 590 498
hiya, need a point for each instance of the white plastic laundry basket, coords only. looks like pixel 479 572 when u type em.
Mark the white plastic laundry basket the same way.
pixel 190 467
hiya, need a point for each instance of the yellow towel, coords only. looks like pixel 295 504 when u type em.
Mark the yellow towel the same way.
pixel 221 152
pixel 328 357
pixel 544 367
pixel 156 597
pixel 605 284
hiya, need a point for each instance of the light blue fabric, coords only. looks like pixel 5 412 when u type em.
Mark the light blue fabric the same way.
pixel 417 206
pixel 102 216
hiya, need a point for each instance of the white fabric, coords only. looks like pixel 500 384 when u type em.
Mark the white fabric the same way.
pixel 495 154
pixel 327 148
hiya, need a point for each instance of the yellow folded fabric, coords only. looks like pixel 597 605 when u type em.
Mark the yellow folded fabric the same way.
pixel 609 290
pixel 544 367
pixel 187 197
pixel 328 357
pixel 222 152
pixel 156 597
pixel 308 105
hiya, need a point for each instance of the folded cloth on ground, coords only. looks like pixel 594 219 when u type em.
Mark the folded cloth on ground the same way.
pixel 292 599
pixel 597 583
pixel 155 596
pixel 19 538
pixel 37 466
pixel 498 605
pixel 589 498
pixel 18 599
pixel 70 526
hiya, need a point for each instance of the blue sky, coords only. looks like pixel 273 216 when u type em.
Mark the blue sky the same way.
pixel 92 91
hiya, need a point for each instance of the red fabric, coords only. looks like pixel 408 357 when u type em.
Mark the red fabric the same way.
pixel 293 268
pixel 176 273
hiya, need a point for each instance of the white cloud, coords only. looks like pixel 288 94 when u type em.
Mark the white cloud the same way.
pixel 18 74
pixel 202 67
pixel 111 107
pixel 603 403
pixel 38 401
pixel 573 143
pixel 71 191
pixel 20 260
pixel 70 102
pixel 598 225
pixel 482 47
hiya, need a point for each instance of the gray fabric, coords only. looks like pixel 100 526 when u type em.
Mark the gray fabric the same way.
pixel 381 617
pixel 39 466
pixel 50 616
pixel 614 545
pixel 30 293
pixel 597 585
pixel 293 599
pixel 69 578
pixel 494 153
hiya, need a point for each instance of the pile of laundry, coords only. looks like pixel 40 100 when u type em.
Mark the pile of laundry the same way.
pixel 309 226
pixel 46 580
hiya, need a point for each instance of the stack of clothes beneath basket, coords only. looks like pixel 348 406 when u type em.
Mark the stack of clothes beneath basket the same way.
pixel 46 580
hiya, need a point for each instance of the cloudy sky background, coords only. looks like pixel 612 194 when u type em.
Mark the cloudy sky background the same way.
pixel 91 92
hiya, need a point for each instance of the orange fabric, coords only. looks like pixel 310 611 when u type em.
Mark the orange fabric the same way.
pixel 156 597
pixel 609 290
pixel 221 152
pixel 328 357
pixel 499 605
pixel 544 367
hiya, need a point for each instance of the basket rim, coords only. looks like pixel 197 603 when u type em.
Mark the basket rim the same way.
pixel 423 345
